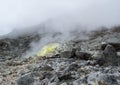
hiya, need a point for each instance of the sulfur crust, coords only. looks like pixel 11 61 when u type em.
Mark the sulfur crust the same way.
pixel 48 49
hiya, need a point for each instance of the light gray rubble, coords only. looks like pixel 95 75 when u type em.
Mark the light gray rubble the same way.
pixel 87 62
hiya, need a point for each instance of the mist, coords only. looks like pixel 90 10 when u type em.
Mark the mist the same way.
pixel 60 15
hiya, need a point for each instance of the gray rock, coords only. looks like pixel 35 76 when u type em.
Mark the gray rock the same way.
pixel 78 65
pixel 44 82
pixel 110 54
pixel 65 76
pixel 98 55
pixel 54 79
pixel 64 83
pixel 103 45
pixel 83 55
pixel 26 80
pixel 115 45
pixel 72 67
pixel 46 68
pixel 54 83
pixel 118 53
pixel 112 41
pixel 102 79
pixel 66 54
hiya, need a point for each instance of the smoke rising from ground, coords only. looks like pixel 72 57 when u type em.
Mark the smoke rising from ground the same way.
pixel 68 17
pixel 61 15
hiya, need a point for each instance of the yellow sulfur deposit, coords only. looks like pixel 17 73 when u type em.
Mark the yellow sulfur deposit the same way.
pixel 48 49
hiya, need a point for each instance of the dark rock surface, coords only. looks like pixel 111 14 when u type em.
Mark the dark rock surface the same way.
pixel 83 55
pixel 16 47
pixel 67 54
pixel 110 54
pixel 90 62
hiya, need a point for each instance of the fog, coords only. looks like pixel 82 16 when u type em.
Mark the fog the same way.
pixel 60 15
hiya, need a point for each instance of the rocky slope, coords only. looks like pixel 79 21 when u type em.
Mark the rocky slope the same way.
pixel 94 61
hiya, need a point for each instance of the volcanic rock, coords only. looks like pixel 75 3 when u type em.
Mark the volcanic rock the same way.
pixel 80 63
pixel 83 55
pixel 66 54
pixel 110 54
pixel 26 80
pixel 98 55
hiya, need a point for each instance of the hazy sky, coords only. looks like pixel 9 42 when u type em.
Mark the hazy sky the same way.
pixel 24 13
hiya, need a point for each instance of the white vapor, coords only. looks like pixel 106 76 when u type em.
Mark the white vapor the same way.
pixel 65 14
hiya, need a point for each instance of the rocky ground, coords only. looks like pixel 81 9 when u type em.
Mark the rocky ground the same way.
pixel 94 61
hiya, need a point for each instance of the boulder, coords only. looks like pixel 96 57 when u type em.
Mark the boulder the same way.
pixel 116 45
pixel 110 51
pixel 26 80
pixel 103 45
pixel 112 39
pixel 110 54
pixel 98 55
pixel 83 55
pixel 66 54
